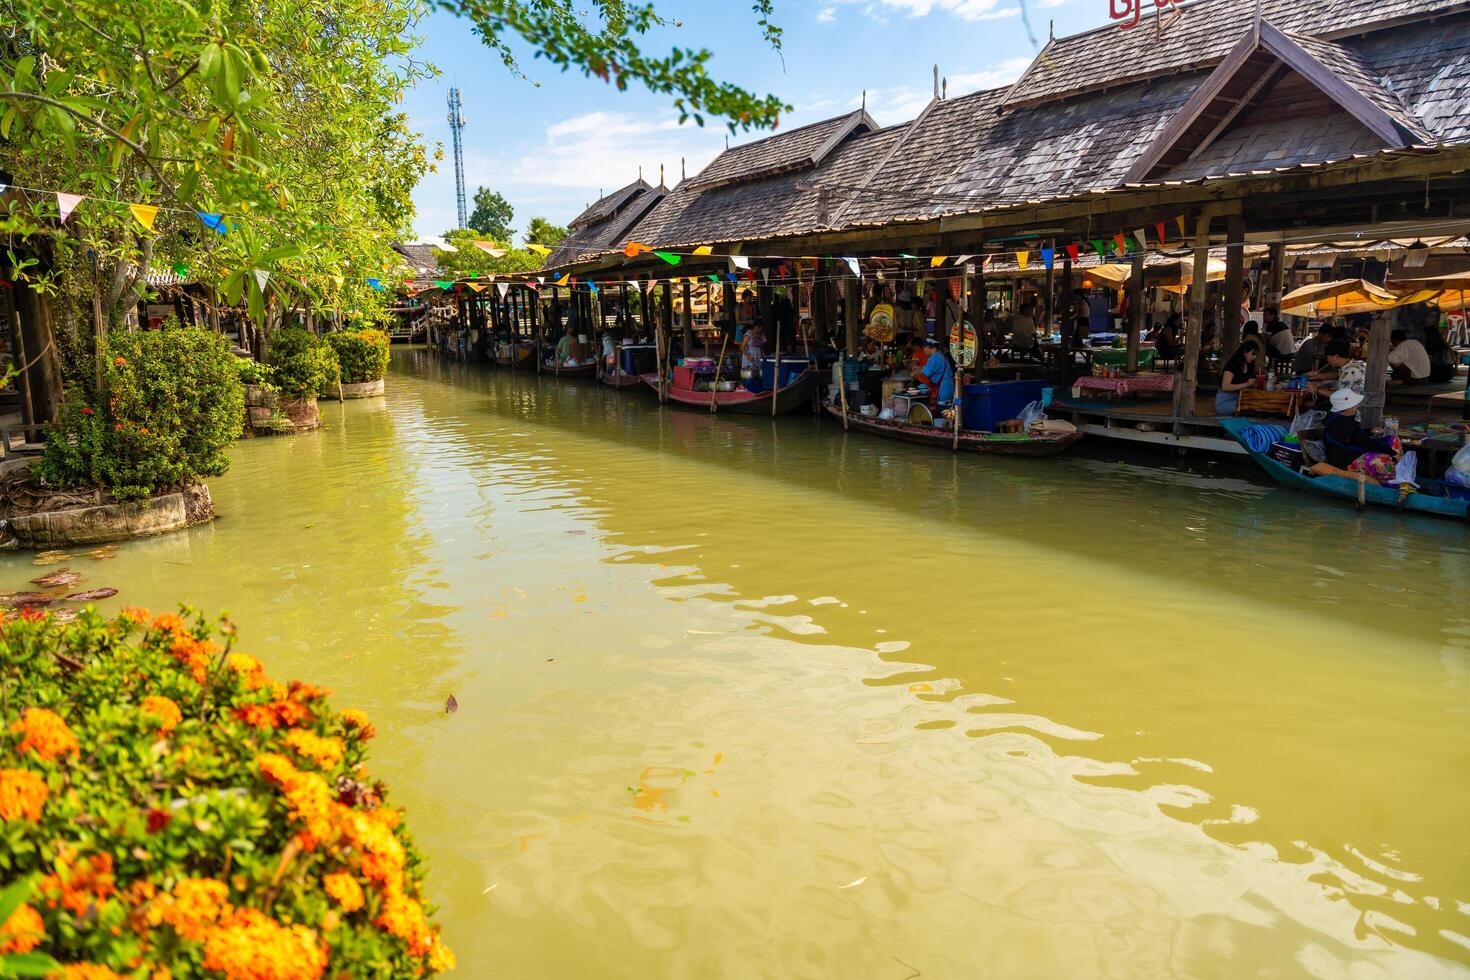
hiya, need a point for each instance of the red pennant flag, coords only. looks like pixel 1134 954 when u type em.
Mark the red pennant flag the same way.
pixel 1160 229
pixel 1122 246
pixel 1072 252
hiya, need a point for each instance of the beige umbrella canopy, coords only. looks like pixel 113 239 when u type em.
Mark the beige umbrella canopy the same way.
pixel 1343 296
pixel 1164 275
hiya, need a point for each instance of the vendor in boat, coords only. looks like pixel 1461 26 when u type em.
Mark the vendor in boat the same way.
pixel 1238 374
pixel 938 374
pixel 752 348
pixel 1350 447
pixel 564 349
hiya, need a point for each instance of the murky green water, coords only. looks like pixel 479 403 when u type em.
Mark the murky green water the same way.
pixel 751 700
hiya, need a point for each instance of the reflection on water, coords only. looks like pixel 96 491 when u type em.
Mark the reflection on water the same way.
pixel 743 699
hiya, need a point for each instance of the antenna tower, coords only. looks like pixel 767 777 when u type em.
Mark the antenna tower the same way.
pixel 456 125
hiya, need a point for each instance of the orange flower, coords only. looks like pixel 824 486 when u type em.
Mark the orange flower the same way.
pixel 307 793
pixel 325 752
pixel 248 668
pixel 119 361
pixel 86 971
pixel 277 714
pixel 23 931
pixel 193 908
pixel 345 891
pixel 143 429
pixel 195 654
pixel 358 722
pixel 78 886
pixel 162 708
pixel 403 917
pixel 22 795
pixel 135 613
pixel 250 945
pixel 171 623
pixel 303 692
pixel 45 734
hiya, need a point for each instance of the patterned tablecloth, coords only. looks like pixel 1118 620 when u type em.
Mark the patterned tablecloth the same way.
pixel 1127 384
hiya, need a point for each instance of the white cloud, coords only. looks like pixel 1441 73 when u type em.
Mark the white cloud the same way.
pixel 973 10
pixel 993 77
pixel 826 15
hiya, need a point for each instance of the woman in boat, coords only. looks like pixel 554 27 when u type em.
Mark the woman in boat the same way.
pixel 1238 374
pixel 938 373
pixel 1350 447
pixel 752 348
pixel 564 349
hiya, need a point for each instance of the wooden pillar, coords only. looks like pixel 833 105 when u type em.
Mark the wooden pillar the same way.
pixel 1135 310
pixel 820 326
pixel 645 304
pixel 727 293
pixel 982 345
pixel 852 314
pixel 687 292
pixel 1376 382
pixel 1064 353
pixel 1230 324
pixel 1184 391
pixel 1051 288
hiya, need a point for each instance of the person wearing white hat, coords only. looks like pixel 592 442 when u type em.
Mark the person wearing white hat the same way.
pixel 1351 447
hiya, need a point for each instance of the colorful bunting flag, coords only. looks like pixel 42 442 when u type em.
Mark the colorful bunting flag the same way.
pixel 443 283
pixel 962 259
pixel 1048 256
pixel 703 250
pixel 739 262
pixel 67 203
pixel 936 261
pixel 476 286
pixel 1142 240
pixel 145 213
pixel 566 277
pixel 540 250
pixel 1183 231
pixel 592 287
pixel 261 278
pixel 669 257
pixel 214 222
pixel 1122 246
pixel 503 288
pixel 853 265
pixel 375 283
pixel 637 286
pixel 1072 252
pixel 181 270
pixel 1102 250
pixel 1022 257
pixel 713 277
pixel 634 249
pixel 490 249
pixel 1160 229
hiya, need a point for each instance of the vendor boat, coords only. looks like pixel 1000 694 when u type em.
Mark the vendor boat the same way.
pixel 1432 496
pixel 739 399
pixel 971 440
pixel 574 371
pixel 620 379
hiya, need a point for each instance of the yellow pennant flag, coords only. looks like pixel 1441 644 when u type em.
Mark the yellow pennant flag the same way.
pixel 1022 258
pixel 1183 231
pixel 145 213
pixel 541 250
pixel 476 286
pixel 565 278
pixel 703 250
pixel 937 261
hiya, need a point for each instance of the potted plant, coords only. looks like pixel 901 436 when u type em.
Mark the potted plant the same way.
pixel 362 356
pixel 302 366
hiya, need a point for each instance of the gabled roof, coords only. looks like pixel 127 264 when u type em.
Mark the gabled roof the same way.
pixel 797 149
pixel 1200 37
pixel 604 224
pixel 608 204
pixel 420 256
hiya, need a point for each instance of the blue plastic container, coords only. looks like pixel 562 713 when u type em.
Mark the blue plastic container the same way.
pixel 791 368
pixel 986 405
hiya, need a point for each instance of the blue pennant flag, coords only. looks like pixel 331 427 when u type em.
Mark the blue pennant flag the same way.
pixel 375 283
pixel 214 222
pixel 1048 255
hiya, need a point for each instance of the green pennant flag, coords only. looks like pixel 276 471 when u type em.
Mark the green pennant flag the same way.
pixel 669 257
pixel 181 270
pixel 1102 251
pixel 443 284
pixel 714 278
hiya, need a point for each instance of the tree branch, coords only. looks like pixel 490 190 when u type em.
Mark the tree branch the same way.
pixel 102 127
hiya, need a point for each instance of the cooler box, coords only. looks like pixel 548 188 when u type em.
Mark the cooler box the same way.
pixel 791 369
pixel 684 378
pixel 986 405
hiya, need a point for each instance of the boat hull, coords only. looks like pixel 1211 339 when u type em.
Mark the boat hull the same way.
pixel 579 371
pixel 740 402
pixel 1347 489
pixel 621 380
pixel 996 444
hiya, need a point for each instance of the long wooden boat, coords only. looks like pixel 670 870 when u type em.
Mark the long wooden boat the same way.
pixel 971 440
pixel 792 396
pixel 620 380
pixel 1430 499
pixel 577 371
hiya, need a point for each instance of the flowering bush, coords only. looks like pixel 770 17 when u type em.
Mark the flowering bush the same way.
pixel 362 354
pixel 173 406
pixel 303 364
pixel 173 811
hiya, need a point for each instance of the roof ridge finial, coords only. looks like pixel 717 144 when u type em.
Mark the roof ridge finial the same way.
pixel 944 87
pixel 660 176
pixel 683 174
pixel 640 173
pixel 1051 30
pixel 865 100
pixel 936 81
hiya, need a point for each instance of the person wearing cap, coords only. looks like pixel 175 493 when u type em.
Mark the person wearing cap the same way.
pixel 939 375
pixel 1351 447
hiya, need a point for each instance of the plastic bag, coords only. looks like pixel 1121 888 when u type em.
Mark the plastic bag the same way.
pixel 1034 412
pixel 1307 420
pixel 1407 469
pixel 1461 462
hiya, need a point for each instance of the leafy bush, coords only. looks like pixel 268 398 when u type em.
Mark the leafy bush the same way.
pixel 303 364
pixel 253 372
pixel 176 812
pixel 174 403
pixel 362 354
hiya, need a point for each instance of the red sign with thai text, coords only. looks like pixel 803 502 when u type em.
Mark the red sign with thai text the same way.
pixel 1130 11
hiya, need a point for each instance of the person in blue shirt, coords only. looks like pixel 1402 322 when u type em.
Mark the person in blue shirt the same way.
pixel 939 374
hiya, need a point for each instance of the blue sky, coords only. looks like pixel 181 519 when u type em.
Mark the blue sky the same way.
pixel 551 143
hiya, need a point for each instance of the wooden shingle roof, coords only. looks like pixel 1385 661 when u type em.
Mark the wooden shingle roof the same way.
pixel 797 149
pixel 604 225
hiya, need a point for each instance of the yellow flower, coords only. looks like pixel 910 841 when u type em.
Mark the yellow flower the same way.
pixel 325 752
pixel 441 957
pixel 345 891
pixel 22 795
pixel 404 918
pixel 193 908
pixel 162 708
pixel 22 932
pixel 86 971
pixel 249 669
pixel 45 734
pixel 358 722
pixel 250 945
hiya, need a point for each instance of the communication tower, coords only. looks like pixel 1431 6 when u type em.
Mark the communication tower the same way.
pixel 456 124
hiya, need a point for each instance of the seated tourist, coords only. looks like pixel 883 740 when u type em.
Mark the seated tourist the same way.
pixel 1238 374
pixel 1408 361
pixel 1023 331
pixel 1441 356
pixel 1309 355
pixel 1280 345
pixel 1349 446
pixel 1341 370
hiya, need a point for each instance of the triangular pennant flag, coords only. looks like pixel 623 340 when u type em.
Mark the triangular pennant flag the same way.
pixel 739 262
pixel 1160 229
pixel 214 222
pixel 502 288
pixel 566 277
pixel 1072 251
pixel 1142 239
pixel 937 260
pixel 713 277
pixel 1122 245
pixel 765 274
pixel 703 250
pixel 145 213
pixel 540 280
pixel 1102 250
pixel 67 203
pixel 853 265
pixel 1048 256
pixel 375 283
pixel 1022 258
pixel 489 249
pixel 443 283
pixel 633 249
pixel 669 257
pixel 781 270
pixel 592 287
pixel 476 286
pixel 1183 231
pixel 540 250
pixel 962 259
pixel 261 278
pixel 181 270
pixel 638 286
pixel 733 277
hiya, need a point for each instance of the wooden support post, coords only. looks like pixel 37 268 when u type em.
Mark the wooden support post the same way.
pixel 820 326
pixel 666 338
pixel 686 290
pixel 1231 323
pixel 1064 352
pixel 727 294
pixel 852 314
pixel 1375 384
pixel 1135 311
pixel 645 304
pixel 829 299
pixel 982 346
pixel 1184 391
pixel 1051 289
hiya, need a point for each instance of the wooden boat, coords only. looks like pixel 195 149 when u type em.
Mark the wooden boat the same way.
pixel 795 394
pixel 523 354
pixel 578 371
pixel 1430 499
pixel 621 380
pixel 971 440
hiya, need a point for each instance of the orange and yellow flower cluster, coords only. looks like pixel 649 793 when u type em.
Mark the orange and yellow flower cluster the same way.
pixel 44 733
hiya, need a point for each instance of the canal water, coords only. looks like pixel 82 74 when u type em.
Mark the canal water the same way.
pixel 744 699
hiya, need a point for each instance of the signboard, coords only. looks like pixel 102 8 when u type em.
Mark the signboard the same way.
pixel 1128 12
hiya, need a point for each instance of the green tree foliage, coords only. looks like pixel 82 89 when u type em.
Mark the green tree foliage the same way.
pixel 174 405
pixel 543 232
pixel 470 261
pixel 492 215
pixel 303 365
pixel 362 355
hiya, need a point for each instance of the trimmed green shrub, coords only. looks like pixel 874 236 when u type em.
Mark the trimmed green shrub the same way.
pixel 253 372
pixel 304 365
pixel 362 354
pixel 174 404
pixel 167 809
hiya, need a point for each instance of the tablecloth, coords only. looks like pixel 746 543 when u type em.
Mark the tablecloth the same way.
pixel 1127 384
